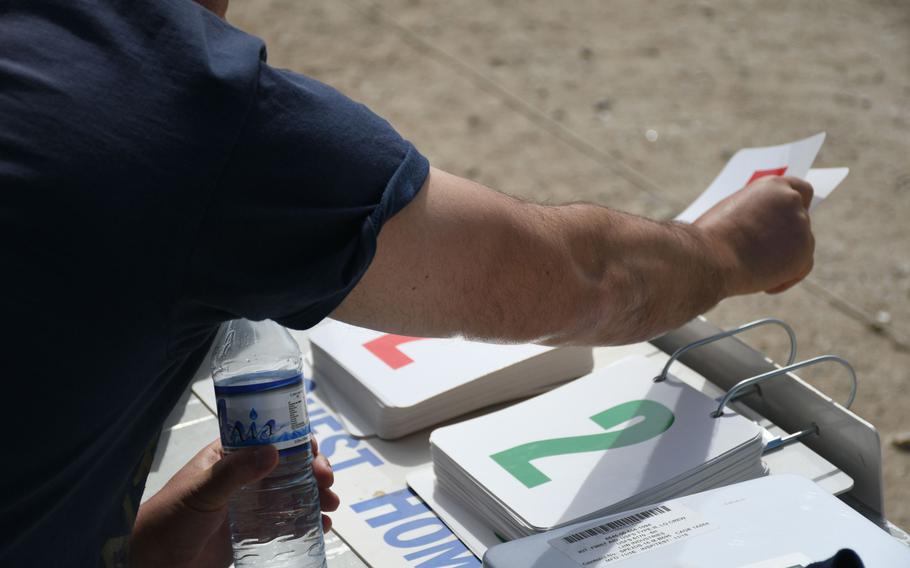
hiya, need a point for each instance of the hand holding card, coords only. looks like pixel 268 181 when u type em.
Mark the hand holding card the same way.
pixel 751 164
pixel 762 233
pixel 762 237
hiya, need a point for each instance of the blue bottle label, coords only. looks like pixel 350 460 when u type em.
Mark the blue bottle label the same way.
pixel 265 413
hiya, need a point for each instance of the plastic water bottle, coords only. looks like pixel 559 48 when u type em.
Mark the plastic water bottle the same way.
pixel 275 522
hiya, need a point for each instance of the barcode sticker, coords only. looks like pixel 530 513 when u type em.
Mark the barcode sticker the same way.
pixel 602 543
pixel 617 524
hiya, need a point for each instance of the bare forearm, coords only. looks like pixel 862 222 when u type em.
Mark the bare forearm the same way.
pixel 635 278
pixel 464 260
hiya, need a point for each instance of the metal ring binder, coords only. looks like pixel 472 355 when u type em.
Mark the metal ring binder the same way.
pixel 746 383
pixel 847 441
pixel 731 332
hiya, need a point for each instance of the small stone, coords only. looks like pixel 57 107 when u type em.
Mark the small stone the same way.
pixel 651 51
pixel 903 183
pixel 901 441
pixel 882 317
pixel 880 321
pixel 603 105
pixel 706 9
pixel 651 135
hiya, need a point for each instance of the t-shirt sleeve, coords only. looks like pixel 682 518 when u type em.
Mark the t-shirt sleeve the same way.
pixel 293 222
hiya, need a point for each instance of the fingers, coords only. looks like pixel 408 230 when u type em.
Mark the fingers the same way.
pixel 783 287
pixel 220 543
pixel 328 500
pixel 326 523
pixel 322 469
pixel 315 445
pixel 791 283
pixel 803 187
pixel 213 486
pixel 209 455
pixel 236 469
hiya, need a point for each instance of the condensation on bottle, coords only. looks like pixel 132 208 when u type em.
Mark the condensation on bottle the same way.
pixel 275 522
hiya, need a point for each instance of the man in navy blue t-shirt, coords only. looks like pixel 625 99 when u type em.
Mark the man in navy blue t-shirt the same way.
pixel 158 177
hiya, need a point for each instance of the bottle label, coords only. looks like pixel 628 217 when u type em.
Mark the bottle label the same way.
pixel 265 413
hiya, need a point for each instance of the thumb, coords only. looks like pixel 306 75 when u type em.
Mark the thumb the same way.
pixel 230 473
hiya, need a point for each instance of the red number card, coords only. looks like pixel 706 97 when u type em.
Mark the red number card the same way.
pixel 764 173
pixel 386 348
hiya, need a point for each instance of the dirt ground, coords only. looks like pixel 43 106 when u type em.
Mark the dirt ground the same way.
pixel 636 105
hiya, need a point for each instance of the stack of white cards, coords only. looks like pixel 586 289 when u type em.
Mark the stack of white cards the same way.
pixel 392 385
pixel 607 442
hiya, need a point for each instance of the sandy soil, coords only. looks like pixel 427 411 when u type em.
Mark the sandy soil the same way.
pixel 554 101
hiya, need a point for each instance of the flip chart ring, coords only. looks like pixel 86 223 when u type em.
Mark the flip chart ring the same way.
pixel 731 332
pixel 746 383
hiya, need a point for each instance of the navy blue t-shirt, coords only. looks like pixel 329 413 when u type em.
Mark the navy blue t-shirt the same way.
pixel 157 177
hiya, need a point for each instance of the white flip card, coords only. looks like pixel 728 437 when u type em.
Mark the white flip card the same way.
pixel 671 436
pixel 403 371
pixel 393 385
pixel 823 181
pixel 747 165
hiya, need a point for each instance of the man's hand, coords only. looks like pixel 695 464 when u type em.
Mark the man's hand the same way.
pixel 185 524
pixel 763 235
